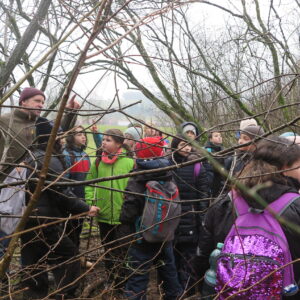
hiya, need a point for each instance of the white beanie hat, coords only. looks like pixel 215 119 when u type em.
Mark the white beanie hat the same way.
pixel 247 122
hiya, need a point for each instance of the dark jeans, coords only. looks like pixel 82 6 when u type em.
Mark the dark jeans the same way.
pixel 48 246
pixel 184 257
pixel 141 259
pixel 116 253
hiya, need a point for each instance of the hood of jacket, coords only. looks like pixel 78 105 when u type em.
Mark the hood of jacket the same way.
pixel 214 147
pixel 277 189
pixel 157 163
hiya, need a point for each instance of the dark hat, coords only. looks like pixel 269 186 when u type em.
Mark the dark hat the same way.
pixel 43 130
pixel 30 92
pixel 253 131
pixel 149 147
pixel 176 140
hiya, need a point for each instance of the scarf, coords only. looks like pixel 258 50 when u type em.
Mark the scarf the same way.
pixel 112 160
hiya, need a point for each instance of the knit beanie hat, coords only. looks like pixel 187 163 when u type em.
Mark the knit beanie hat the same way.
pixel 189 127
pixel 30 92
pixel 253 131
pixel 247 122
pixel 43 130
pixel 176 141
pixel 149 147
pixel 135 132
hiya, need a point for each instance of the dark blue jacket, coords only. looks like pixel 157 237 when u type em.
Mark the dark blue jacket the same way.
pixel 78 163
pixel 190 187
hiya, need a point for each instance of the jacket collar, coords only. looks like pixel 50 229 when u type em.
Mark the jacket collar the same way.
pixel 18 112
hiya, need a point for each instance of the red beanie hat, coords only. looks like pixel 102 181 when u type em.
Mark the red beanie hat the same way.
pixel 149 147
pixel 30 92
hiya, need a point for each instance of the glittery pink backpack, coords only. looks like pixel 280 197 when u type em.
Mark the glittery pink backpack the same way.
pixel 255 250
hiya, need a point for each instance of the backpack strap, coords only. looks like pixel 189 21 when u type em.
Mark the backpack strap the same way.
pixel 239 203
pixel 197 169
pixel 283 202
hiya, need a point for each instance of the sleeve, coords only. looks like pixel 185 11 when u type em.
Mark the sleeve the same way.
pixel 209 173
pixel 97 139
pixel 68 162
pixel 203 188
pixel 133 204
pixel 68 121
pixel 206 244
pixel 64 197
pixel 90 190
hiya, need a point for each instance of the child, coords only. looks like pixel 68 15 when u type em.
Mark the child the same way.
pixel 132 135
pixel 112 162
pixel 213 145
pixel 192 184
pixel 143 254
pixel 191 130
pixel 78 163
pixel 269 164
pixel 237 162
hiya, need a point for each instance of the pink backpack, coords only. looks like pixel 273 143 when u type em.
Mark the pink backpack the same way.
pixel 254 253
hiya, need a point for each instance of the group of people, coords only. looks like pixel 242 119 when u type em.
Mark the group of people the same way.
pixel 117 188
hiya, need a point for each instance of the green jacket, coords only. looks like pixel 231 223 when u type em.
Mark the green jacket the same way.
pixel 109 202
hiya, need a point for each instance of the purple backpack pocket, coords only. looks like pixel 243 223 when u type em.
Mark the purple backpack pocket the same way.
pixel 254 253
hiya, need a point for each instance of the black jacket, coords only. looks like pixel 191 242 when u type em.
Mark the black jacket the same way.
pixel 237 162
pixel 218 180
pixel 221 215
pixel 190 188
pixel 133 205
pixel 55 201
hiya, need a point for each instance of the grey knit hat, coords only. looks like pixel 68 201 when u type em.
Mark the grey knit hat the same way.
pixel 253 131
pixel 135 132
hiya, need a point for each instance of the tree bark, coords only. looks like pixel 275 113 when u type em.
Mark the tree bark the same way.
pixel 23 43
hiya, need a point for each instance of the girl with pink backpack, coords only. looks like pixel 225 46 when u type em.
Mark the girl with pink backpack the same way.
pixel 256 261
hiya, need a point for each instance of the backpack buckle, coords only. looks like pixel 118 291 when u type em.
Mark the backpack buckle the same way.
pixel 255 210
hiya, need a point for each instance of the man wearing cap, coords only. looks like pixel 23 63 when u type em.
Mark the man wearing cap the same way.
pixel 17 128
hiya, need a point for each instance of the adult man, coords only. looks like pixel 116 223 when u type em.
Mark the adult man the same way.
pixel 17 128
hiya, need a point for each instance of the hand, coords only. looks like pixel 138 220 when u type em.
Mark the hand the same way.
pixel 93 212
pixel 19 168
pixel 73 104
pixel 94 128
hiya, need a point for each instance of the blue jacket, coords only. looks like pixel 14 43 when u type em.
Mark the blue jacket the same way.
pixel 78 163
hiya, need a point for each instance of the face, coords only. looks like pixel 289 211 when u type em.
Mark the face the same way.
pixel 150 132
pixel 34 102
pixel 216 138
pixel 190 134
pixel 295 173
pixel 185 148
pixel 243 140
pixel 128 140
pixel 109 145
pixel 79 137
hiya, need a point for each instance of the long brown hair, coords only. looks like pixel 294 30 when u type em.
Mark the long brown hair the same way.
pixel 70 139
pixel 269 159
